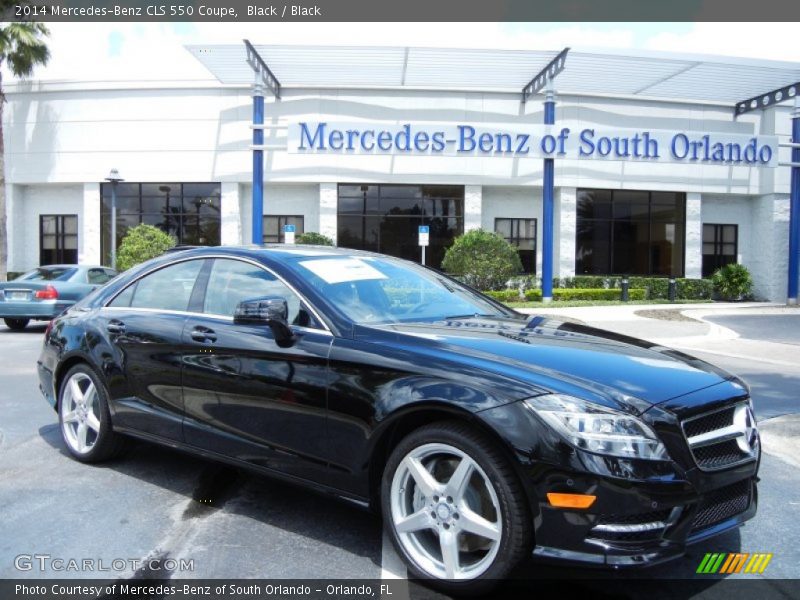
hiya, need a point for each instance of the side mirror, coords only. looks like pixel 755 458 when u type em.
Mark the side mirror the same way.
pixel 272 311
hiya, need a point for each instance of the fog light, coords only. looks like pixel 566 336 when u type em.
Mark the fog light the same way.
pixel 570 500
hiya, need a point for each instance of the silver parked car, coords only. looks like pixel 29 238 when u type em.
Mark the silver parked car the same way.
pixel 45 292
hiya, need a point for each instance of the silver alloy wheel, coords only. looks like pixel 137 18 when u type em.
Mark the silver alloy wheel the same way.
pixel 80 413
pixel 450 529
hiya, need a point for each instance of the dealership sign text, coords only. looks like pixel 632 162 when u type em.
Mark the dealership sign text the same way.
pixel 532 142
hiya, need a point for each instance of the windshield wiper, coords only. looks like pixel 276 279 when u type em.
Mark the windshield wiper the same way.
pixel 469 316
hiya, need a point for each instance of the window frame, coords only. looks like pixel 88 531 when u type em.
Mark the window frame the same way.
pixel 719 243
pixel 281 223
pixel 60 237
pixel 611 220
pixel 515 239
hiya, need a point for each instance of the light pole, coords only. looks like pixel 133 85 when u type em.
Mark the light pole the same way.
pixel 114 179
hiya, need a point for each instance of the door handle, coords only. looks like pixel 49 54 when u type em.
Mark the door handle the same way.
pixel 115 326
pixel 203 334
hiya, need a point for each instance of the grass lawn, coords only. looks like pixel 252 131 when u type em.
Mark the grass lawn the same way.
pixel 568 303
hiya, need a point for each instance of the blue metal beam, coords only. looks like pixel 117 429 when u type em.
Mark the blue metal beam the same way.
pixel 794 212
pixel 548 207
pixel 264 78
pixel 767 100
pixel 258 167
pixel 553 68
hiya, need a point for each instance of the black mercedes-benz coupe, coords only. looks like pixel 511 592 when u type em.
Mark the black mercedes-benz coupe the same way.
pixel 480 434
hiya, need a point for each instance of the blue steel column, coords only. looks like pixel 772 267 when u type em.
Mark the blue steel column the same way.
pixel 794 214
pixel 258 164
pixel 547 206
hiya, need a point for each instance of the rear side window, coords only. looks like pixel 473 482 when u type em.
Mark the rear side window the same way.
pixel 98 276
pixel 169 288
pixel 52 274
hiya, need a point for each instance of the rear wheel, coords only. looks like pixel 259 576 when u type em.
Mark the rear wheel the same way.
pixel 84 417
pixel 16 324
pixel 454 508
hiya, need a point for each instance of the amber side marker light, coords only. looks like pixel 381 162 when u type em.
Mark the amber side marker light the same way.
pixel 570 500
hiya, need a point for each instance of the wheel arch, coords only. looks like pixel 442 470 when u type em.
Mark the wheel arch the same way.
pixel 404 421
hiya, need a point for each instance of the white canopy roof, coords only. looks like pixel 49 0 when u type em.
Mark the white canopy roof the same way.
pixel 659 75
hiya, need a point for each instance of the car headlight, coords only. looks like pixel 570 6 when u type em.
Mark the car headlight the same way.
pixel 598 429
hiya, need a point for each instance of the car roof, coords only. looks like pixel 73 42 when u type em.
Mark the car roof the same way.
pixel 280 252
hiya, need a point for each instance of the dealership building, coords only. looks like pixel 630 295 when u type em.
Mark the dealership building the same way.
pixel 663 164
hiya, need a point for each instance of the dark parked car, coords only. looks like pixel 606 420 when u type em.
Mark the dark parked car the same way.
pixel 480 434
pixel 44 292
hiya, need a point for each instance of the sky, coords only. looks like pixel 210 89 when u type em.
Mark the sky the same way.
pixel 154 51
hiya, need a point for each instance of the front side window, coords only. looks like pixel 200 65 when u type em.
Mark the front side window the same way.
pixel 232 281
pixel 58 239
pixel 520 233
pixel 169 288
pixel 274 224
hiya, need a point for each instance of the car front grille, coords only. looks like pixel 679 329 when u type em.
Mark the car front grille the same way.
pixel 722 504
pixel 722 438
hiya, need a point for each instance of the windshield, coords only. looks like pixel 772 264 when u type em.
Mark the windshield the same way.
pixel 54 274
pixel 372 290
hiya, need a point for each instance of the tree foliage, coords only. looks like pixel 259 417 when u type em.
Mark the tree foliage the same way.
pixel 142 243
pixel 313 238
pixel 482 259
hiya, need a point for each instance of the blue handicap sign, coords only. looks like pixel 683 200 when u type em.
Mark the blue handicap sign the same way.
pixel 424 229
pixel 288 229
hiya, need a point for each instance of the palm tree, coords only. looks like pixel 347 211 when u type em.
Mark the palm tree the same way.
pixel 21 49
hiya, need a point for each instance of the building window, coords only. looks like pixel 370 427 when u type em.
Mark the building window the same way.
pixel 58 239
pixel 720 246
pixel 274 224
pixel 386 218
pixel 520 233
pixel 626 232
pixel 190 212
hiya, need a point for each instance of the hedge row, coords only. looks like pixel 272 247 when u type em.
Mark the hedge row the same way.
pixel 564 294
pixel 656 287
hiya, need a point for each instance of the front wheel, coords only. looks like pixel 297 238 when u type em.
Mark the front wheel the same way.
pixel 16 324
pixel 85 418
pixel 454 508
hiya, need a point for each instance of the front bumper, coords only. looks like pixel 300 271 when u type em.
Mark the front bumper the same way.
pixel 657 528
pixel 645 512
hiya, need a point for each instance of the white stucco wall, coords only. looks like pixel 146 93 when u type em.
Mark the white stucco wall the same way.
pixel 31 201
pixel 733 210
pixel 768 245
pixel 282 199
pixel 515 203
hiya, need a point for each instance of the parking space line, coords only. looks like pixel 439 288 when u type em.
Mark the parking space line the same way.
pixel 392 567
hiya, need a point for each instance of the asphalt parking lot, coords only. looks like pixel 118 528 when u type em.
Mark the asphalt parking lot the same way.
pixel 160 503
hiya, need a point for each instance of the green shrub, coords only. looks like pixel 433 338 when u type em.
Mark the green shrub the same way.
pixel 566 294
pixel 482 259
pixel 142 243
pixel 733 282
pixel 313 238
pixel 504 295
pixel 656 287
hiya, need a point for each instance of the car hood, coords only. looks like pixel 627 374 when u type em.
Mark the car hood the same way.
pixel 564 357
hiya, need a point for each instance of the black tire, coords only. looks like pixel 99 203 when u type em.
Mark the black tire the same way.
pixel 16 324
pixel 517 529
pixel 107 444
